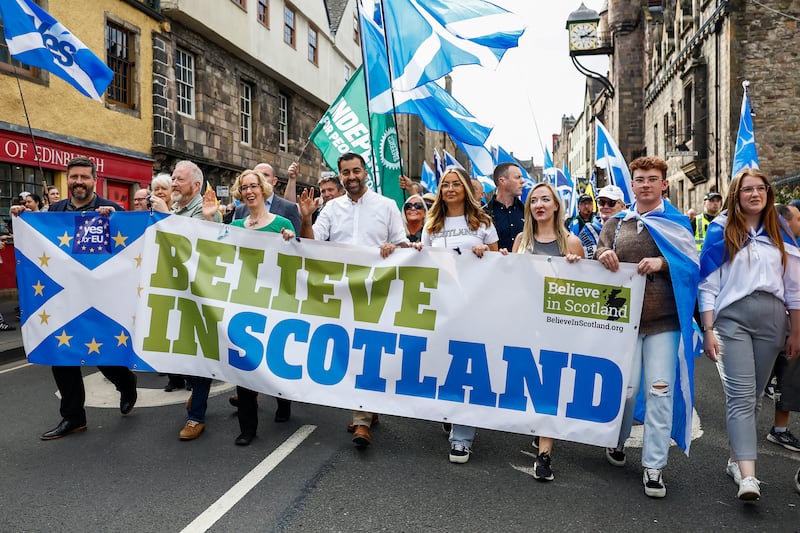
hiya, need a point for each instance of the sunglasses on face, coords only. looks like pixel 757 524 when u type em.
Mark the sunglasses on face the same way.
pixel 602 202
pixel 415 205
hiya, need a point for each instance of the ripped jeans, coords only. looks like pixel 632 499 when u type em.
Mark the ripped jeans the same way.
pixel 657 355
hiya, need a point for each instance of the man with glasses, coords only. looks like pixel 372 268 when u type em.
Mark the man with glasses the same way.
pixel 712 203
pixel 140 200
pixel 361 217
pixel 610 201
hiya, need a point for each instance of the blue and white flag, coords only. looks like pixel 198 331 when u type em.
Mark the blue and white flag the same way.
pixel 37 39
pixel 437 109
pixel 566 188
pixel 746 155
pixel 427 38
pixel 438 165
pixel 609 157
pixel 428 178
pixel 548 168
pixel 672 233
pixel 450 161
pixel 63 322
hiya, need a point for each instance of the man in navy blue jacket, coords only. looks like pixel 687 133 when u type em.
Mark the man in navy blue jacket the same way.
pixel 81 181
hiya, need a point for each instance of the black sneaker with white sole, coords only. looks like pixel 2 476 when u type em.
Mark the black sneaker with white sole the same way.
pixel 459 453
pixel 785 439
pixel 654 483
pixel 541 468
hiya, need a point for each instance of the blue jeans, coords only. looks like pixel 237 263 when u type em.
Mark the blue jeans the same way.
pixel 200 389
pixel 463 435
pixel 657 355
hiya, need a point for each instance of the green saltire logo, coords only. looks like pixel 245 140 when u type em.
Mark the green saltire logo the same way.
pixel 587 300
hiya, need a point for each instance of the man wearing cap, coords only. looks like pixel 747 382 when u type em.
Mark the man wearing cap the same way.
pixel 585 215
pixel 712 203
pixel 610 201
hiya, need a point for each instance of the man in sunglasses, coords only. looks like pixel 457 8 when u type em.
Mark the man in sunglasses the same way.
pixel 610 201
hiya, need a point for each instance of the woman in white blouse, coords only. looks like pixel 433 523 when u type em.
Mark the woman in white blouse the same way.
pixel 750 277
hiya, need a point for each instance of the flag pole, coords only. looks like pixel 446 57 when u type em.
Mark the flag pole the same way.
pixel 391 84
pixel 45 198
pixel 366 91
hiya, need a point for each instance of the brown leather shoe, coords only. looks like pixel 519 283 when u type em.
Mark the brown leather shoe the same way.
pixel 361 436
pixel 191 430
pixel 352 427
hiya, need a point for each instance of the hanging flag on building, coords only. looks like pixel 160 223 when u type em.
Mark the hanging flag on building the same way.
pixel 427 38
pixel 35 38
pixel 746 155
pixel 345 127
pixel 608 156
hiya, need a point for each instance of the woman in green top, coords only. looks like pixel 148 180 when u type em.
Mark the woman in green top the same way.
pixel 252 188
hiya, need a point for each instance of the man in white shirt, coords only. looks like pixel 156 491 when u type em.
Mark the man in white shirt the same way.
pixel 360 217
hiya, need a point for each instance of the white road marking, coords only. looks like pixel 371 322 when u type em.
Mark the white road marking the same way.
pixel 101 393
pixel 226 502
pixel 23 365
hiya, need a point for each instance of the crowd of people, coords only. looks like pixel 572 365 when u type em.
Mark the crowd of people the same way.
pixel 733 271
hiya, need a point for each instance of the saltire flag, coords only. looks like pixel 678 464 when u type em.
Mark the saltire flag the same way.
pixel 608 156
pixel 64 323
pixel 347 126
pixel 746 155
pixel 428 178
pixel 437 109
pixel 451 161
pixel 481 159
pixel 672 233
pixel 502 156
pixel 438 165
pixel 427 38
pixel 570 197
pixel 548 168
pixel 27 28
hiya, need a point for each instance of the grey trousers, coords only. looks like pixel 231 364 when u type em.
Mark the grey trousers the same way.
pixel 751 333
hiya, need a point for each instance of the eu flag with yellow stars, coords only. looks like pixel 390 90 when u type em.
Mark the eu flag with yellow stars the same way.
pixel 65 323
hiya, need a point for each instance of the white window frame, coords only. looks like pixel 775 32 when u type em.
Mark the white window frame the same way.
pixel 184 82
pixel 283 122
pixel 245 113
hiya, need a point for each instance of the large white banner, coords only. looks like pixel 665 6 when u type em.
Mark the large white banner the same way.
pixel 519 343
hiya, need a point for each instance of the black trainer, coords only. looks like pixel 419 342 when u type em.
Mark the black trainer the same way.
pixel 541 468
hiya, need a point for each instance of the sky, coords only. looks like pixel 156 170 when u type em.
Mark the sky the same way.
pixel 535 83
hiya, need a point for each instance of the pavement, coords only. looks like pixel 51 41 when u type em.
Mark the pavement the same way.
pixel 10 341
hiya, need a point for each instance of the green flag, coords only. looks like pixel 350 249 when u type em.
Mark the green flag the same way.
pixel 345 127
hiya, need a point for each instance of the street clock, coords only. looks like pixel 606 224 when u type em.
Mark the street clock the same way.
pixel 583 35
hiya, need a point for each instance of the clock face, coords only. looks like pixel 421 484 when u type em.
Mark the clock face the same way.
pixel 583 36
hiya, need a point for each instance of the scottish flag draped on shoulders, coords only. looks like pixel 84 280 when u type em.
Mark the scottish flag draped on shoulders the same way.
pixel 713 254
pixel 672 233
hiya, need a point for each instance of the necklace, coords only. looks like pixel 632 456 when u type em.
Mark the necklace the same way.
pixel 252 221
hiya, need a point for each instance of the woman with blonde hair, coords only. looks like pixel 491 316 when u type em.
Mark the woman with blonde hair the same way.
pixel 544 233
pixel 252 188
pixel 750 272
pixel 456 221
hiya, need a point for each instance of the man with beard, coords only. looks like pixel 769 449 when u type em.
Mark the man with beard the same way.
pixel 187 180
pixel 361 217
pixel 275 204
pixel 712 203
pixel 81 180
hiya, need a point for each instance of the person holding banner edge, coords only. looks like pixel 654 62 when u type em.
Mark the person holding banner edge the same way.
pixel 81 181
pixel 751 275
pixel 360 217
pixel 544 234
pixel 658 239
